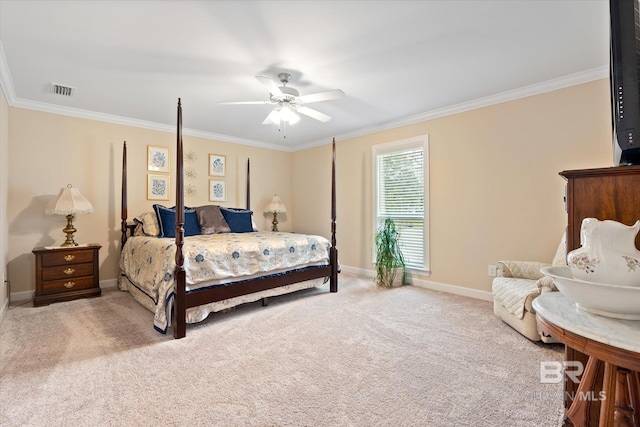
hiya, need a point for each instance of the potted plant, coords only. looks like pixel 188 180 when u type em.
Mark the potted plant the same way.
pixel 390 266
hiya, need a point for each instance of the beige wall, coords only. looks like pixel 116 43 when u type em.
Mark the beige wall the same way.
pixel 4 184
pixel 495 192
pixel 49 151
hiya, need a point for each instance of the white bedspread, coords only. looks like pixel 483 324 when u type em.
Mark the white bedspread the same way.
pixel 149 262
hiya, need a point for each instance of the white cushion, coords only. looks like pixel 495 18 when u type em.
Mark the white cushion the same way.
pixel 512 293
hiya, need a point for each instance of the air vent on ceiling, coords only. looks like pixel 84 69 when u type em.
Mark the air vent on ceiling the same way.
pixel 63 90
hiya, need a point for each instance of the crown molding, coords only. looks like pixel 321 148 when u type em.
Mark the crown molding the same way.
pixel 511 95
pixel 6 83
pixel 126 121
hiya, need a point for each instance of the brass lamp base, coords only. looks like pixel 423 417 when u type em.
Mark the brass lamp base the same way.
pixel 275 222
pixel 69 230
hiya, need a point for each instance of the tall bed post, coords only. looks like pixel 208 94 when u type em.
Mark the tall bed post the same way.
pixel 123 207
pixel 248 185
pixel 333 252
pixel 179 297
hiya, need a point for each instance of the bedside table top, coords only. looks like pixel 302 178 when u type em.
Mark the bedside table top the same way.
pixel 66 248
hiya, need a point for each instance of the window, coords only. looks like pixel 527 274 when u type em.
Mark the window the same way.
pixel 400 175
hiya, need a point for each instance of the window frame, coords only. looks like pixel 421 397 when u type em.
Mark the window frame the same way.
pixel 419 141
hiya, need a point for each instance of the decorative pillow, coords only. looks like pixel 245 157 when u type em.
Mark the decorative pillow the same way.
pixel 239 220
pixel 211 220
pixel 167 221
pixel 147 225
pixel 138 231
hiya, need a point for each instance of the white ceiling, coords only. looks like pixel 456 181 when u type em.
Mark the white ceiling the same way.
pixel 397 61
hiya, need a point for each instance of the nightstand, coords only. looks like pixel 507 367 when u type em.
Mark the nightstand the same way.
pixel 64 274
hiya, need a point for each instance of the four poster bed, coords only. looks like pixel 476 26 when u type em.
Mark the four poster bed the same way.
pixel 184 278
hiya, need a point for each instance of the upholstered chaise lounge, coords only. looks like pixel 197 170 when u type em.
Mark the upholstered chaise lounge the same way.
pixel 516 285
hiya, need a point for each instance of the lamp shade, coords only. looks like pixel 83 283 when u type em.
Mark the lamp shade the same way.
pixel 276 205
pixel 69 201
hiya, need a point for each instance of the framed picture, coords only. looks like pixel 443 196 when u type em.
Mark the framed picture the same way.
pixel 217 190
pixel 158 159
pixel 217 165
pixel 158 187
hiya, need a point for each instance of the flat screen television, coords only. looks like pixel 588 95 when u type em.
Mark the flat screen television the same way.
pixel 625 80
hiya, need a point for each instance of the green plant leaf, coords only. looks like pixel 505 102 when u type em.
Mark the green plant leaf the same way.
pixel 389 257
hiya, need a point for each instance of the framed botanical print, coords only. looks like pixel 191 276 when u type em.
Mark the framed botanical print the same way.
pixel 217 190
pixel 158 159
pixel 158 187
pixel 217 165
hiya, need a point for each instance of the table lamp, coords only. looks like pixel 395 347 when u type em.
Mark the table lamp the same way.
pixel 68 202
pixel 275 206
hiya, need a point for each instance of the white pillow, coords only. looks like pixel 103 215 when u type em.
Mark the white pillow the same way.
pixel 147 225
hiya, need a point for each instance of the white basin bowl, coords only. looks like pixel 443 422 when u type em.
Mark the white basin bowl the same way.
pixel 620 302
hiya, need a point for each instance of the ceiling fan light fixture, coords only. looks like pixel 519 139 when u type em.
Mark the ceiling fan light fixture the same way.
pixel 283 113
pixel 288 115
pixel 294 118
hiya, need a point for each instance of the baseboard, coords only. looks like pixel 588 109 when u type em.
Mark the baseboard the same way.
pixel 4 309
pixel 358 271
pixel 27 295
pixel 444 287
pixel 436 286
pixel 21 296
pixel 111 283
pixel 453 289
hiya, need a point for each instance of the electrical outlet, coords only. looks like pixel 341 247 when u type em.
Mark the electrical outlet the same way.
pixel 492 270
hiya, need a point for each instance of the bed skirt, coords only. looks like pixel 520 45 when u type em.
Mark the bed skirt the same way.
pixel 162 319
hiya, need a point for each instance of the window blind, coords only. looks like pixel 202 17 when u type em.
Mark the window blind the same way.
pixel 400 196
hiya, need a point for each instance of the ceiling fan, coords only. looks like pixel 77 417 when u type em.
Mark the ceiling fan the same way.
pixel 288 101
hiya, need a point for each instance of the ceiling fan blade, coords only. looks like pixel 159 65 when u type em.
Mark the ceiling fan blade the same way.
pixel 322 96
pixel 314 114
pixel 271 118
pixel 243 102
pixel 271 86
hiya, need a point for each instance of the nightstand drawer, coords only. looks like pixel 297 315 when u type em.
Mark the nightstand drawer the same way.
pixel 57 286
pixel 64 274
pixel 67 271
pixel 67 257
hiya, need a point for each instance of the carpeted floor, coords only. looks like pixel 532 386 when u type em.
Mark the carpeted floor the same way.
pixel 365 356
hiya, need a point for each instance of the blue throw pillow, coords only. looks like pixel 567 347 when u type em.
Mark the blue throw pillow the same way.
pixel 239 220
pixel 167 221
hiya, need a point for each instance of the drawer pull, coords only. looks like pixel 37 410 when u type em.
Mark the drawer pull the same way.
pixel 69 257
pixel 69 285
pixel 69 271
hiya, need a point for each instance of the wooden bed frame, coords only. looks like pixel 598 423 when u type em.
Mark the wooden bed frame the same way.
pixel 183 299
